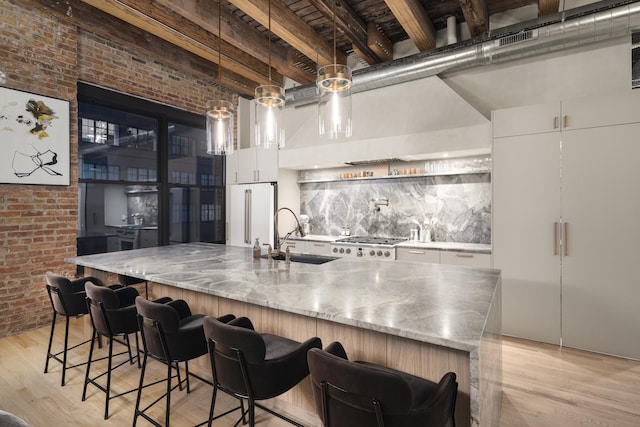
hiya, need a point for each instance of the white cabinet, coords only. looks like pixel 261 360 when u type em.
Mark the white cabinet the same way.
pixel 525 207
pixel 467 259
pixel 418 255
pixel 231 165
pixel 257 164
pixel 600 268
pixel 527 120
pixel 565 209
pixel 254 164
pixel 317 248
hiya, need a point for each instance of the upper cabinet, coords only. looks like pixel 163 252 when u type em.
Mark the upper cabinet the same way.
pixel 527 120
pixel 257 164
pixel 581 113
pixel 250 163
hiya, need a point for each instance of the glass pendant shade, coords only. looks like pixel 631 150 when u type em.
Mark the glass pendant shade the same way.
pixel 334 103
pixel 269 118
pixel 220 127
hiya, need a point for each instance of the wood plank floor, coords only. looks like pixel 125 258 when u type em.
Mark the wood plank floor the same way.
pixel 543 386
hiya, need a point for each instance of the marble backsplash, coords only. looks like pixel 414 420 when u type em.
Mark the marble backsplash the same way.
pixel 457 208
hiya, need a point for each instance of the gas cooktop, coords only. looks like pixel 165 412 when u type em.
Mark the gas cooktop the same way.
pixel 364 240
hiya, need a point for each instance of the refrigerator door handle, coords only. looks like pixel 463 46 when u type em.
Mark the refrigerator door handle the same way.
pixel 247 215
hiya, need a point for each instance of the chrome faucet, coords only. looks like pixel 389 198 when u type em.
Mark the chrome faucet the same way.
pixel 278 248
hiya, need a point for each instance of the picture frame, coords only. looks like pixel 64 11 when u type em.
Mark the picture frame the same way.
pixel 34 136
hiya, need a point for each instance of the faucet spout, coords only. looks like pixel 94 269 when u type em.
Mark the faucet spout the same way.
pixel 278 248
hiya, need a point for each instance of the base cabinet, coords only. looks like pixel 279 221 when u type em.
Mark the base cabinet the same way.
pixel 418 255
pixel 467 259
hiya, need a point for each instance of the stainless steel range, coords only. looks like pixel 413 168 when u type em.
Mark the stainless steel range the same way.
pixel 382 248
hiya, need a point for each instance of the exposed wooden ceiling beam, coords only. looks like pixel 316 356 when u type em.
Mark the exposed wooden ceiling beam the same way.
pixel 237 33
pixel 415 21
pixel 352 26
pixel 289 27
pixel 379 43
pixel 148 16
pixel 476 13
pixel 87 18
pixel 546 7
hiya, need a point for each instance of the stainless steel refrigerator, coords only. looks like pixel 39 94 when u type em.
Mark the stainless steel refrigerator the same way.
pixel 252 207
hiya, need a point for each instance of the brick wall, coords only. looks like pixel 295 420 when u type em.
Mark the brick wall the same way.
pixel 46 53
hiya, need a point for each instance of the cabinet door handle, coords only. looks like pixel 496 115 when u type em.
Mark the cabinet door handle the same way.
pixel 320 245
pixel 258 175
pixel 565 121
pixel 555 122
pixel 464 255
pixel 236 177
pixel 417 252
pixel 565 239
pixel 555 238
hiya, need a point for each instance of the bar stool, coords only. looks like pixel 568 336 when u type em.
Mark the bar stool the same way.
pixel 252 366
pixel 113 314
pixel 125 281
pixel 362 393
pixel 67 299
pixel 170 334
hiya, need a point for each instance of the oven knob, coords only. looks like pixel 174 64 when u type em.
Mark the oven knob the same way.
pixel 335 250
pixel 359 253
pixel 348 250
pixel 387 254
pixel 372 253
pixel 341 250
pixel 379 253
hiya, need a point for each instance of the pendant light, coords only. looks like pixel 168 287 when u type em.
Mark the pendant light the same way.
pixel 269 109
pixel 220 112
pixel 334 96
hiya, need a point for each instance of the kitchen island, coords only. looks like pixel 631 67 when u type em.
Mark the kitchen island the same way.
pixel 425 319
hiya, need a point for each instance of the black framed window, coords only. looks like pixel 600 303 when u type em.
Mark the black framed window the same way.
pixel 144 175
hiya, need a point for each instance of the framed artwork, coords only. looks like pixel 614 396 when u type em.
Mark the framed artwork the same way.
pixel 34 136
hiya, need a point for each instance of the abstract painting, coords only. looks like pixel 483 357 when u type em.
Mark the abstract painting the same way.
pixel 34 139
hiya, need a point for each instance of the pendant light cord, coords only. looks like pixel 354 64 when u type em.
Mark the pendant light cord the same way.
pixel 269 12
pixel 220 47
pixel 335 61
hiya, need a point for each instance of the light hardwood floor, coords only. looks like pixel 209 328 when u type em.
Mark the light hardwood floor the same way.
pixel 543 386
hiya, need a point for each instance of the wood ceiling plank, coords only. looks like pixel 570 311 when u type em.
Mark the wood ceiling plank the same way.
pixel 547 7
pixel 290 28
pixel 415 21
pixel 349 23
pixel 147 16
pixel 237 33
pixel 476 14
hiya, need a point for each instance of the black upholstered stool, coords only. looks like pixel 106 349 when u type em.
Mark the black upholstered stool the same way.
pixel 366 394
pixel 170 334
pixel 67 299
pixel 252 366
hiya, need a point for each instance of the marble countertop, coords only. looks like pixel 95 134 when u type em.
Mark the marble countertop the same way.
pixel 439 304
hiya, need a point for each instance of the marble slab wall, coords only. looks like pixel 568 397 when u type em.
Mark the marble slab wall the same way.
pixel 457 208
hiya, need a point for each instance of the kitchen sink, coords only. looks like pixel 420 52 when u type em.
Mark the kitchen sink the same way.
pixel 305 259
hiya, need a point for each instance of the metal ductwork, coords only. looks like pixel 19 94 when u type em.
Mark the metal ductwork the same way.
pixel 576 27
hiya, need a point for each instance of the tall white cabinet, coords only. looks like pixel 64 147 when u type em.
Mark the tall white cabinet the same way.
pixel 566 205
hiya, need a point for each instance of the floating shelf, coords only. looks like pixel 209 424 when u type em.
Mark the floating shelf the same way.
pixel 415 175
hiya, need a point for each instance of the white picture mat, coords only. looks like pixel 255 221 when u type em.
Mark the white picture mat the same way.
pixel 34 136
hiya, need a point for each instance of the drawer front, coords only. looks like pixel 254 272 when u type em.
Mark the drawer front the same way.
pixel 318 248
pixel 467 259
pixel 418 255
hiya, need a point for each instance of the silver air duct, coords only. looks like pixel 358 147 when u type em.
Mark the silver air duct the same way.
pixel 573 28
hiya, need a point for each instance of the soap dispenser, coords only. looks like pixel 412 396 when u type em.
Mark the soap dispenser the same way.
pixel 256 249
